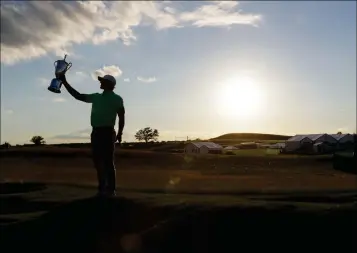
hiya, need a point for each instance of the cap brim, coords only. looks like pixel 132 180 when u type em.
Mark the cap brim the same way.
pixel 103 79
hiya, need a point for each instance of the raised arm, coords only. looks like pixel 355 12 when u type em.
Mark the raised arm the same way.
pixel 82 97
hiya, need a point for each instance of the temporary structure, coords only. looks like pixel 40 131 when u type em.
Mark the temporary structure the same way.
pixel 229 148
pixel 296 142
pixel 203 148
pixel 343 138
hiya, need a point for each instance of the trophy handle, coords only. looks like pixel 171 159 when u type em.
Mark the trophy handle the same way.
pixel 65 56
pixel 55 63
pixel 69 65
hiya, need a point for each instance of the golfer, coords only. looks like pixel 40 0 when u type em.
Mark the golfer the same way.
pixel 105 107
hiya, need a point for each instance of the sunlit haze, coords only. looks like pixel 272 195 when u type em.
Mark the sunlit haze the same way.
pixel 240 98
pixel 196 69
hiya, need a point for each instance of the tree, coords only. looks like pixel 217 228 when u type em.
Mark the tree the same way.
pixel 339 132
pixel 146 134
pixel 37 140
pixel 6 145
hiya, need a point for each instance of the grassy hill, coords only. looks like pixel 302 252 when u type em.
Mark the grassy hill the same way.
pixel 250 137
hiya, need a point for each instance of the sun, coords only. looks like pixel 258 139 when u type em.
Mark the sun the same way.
pixel 239 97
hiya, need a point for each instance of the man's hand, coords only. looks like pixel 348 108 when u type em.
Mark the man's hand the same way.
pixel 118 138
pixel 63 78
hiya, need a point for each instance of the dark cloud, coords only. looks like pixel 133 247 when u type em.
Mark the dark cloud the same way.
pixel 32 29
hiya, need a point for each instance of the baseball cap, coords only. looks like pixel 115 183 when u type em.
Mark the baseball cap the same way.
pixel 108 78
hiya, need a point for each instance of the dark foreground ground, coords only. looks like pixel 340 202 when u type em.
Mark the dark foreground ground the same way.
pixel 58 218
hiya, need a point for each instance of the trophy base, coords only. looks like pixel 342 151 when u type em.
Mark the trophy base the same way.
pixel 54 90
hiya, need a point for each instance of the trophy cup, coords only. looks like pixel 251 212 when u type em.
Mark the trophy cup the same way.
pixel 61 67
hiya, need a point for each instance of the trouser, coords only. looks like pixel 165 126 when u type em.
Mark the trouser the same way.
pixel 103 146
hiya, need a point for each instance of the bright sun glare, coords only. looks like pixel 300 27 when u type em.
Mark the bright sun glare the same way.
pixel 239 98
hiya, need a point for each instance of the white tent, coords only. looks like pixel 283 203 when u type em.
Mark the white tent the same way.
pixel 300 140
pixel 325 138
pixel 277 146
pixel 343 138
pixel 203 148
pixel 297 142
pixel 228 148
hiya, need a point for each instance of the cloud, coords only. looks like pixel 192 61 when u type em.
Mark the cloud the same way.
pixel 128 135
pixel 59 100
pixel 83 134
pixel 227 5
pixel 81 74
pixel 107 70
pixel 346 129
pixel 170 10
pixel 221 13
pixel 342 129
pixel 127 80
pixel 43 81
pixel 146 80
pixel 9 112
pixel 31 29
pixel 179 135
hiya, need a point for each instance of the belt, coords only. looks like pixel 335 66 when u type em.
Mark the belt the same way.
pixel 103 128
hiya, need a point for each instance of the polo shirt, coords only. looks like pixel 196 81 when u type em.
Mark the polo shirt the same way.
pixel 105 107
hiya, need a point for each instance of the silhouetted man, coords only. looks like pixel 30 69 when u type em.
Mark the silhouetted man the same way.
pixel 105 107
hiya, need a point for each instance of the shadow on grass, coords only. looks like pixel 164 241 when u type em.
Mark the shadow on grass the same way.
pixel 350 198
pixel 18 204
pixel 345 163
pixel 112 225
pixel 6 220
pixel 80 226
pixel 13 188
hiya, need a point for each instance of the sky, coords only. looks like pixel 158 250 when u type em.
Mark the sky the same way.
pixel 197 69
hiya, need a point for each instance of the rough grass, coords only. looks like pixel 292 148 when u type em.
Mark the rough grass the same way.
pixel 69 219
pixel 176 203
pixel 155 171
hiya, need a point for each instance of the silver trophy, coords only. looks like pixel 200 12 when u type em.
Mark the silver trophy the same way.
pixel 61 67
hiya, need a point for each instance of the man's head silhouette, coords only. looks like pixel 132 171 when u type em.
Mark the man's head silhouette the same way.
pixel 107 82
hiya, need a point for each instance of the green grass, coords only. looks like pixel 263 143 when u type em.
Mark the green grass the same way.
pixel 250 152
pixel 260 153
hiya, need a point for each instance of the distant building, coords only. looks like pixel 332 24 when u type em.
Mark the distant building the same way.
pixel 324 138
pixel 277 146
pixel 321 147
pixel 297 142
pixel 203 148
pixel 344 141
pixel 343 138
pixel 318 143
pixel 230 148
pixel 248 145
